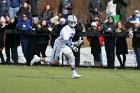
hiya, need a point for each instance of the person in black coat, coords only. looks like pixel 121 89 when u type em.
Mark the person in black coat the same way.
pixel 108 29
pixel 92 16
pixel 136 41
pixel 24 9
pixel 78 29
pixel 12 42
pixel 121 44
pixel 43 39
pixel 94 43
pixel 47 13
pixel 39 42
pixel 34 7
pixel 33 47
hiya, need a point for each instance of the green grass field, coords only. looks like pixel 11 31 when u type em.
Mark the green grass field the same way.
pixel 43 79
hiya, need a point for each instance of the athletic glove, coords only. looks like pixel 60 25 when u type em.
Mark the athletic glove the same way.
pixel 75 49
pixel 79 42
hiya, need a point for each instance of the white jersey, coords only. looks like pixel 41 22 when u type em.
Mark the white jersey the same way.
pixel 66 34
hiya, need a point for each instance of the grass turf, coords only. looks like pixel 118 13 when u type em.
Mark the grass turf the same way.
pixel 37 79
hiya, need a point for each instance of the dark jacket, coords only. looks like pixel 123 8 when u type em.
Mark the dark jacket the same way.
pixel 4 7
pixel 12 40
pixel 15 3
pixel 121 7
pixel 26 11
pixel 47 15
pixel 2 36
pixel 108 30
pixel 94 42
pixel 57 28
pixel 91 18
pixel 121 44
pixel 95 4
pixel 34 9
pixel 78 29
pixel 43 39
pixel 136 38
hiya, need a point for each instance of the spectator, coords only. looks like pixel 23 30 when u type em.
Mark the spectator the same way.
pixel 33 49
pixel 24 26
pixel 78 29
pixel 121 9
pixel 2 37
pixel 94 43
pixel 47 13
pixel 12 42
pixel 135 15
pixel 136 41
pixel 25 9
pixel 14 7
pixel 7 43
pixel 95 4
pixel 92 16
pixel 4 7
pixel 108 28
pixel 121 44
pixel 34 7
pixel 43 40
pixel 65 8
pixel 111 8
pixel 101 38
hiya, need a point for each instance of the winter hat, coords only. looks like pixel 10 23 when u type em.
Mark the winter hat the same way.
pixel 35 18
pixel 136 12
pixel 96 19
pixel 2 19
pixel 54 19
pixel 93 24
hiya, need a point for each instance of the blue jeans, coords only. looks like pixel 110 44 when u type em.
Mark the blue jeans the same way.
pixel 137 52
pixel 13 11
pixel 25 44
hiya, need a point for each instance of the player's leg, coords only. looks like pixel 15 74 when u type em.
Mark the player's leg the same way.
pixel 52 60
pixel 69 54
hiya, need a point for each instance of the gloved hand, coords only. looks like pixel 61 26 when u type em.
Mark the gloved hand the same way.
pixel 79 42
pixel 75 49
pixel 131 34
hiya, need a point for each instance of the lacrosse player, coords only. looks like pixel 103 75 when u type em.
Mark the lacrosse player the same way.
pixel 64 43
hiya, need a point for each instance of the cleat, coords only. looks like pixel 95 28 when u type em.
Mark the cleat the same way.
pixel 76 76
pixel 35 60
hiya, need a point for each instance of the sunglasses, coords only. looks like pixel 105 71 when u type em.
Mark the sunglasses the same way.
pixel 93 26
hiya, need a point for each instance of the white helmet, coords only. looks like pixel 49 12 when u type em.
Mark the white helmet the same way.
pixel 72 20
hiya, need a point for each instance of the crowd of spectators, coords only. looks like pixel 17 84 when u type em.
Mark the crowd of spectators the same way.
pixel 23 17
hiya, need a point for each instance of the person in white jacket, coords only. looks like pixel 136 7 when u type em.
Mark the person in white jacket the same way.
pixel 111 8
pixel 64 43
